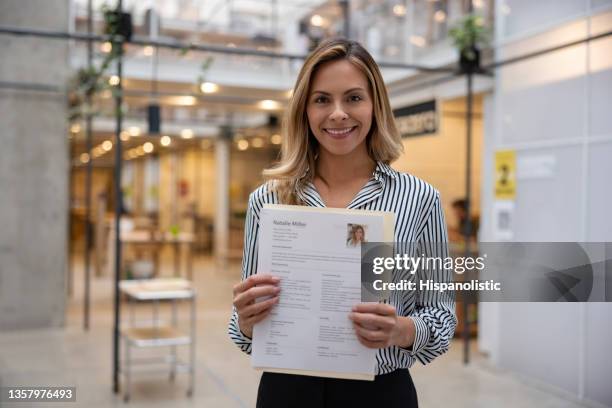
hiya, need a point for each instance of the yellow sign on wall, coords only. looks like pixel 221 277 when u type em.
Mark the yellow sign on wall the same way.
pixel 505 175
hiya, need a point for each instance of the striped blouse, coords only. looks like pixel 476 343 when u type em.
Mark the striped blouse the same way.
pixel 418 219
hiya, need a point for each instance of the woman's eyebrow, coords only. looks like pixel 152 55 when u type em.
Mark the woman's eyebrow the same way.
pixel 345 92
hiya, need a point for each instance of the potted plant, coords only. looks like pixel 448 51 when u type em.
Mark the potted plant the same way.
pixel 469 36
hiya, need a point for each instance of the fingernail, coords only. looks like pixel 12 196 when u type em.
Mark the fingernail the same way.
pixel 275 279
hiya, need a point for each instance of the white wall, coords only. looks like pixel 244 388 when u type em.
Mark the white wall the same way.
pixel 558 105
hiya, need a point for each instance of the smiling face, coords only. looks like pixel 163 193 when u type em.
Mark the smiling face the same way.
pixel 359 234
pixel 339 108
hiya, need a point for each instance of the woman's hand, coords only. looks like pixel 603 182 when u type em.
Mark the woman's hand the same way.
pixel 246 292
pixel 378 326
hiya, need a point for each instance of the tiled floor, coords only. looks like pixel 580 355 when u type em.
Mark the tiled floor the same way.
pixel 73 357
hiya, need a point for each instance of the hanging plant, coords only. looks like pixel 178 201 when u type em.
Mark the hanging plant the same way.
pixel 204 68
pixel 469 36
pixel 89 81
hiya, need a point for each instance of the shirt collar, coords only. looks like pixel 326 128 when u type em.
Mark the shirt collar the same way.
pixel 384 169
pixel 308 194
pixel 381 168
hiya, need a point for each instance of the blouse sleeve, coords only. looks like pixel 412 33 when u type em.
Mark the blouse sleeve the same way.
pixel 249 267
pixel 434 314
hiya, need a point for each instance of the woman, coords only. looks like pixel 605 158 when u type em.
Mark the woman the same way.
pixel 339 138
pixel 357 236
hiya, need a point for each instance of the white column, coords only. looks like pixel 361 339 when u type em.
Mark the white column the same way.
pixel 222 164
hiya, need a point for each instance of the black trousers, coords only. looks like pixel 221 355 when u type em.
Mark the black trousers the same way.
pixel 393 390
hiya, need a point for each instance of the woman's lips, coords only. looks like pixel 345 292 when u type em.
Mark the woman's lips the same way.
pixel 340 133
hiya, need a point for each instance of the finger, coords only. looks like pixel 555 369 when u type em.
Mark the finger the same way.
pixel 250 321
pixel 369 320
pixel 376 308
pixel 371 344
pixel 259 317
pixel 258 307
pixel 251 294
pixel 371 335
pixel 254 280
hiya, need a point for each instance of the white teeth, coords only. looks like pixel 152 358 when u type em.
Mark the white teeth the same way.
pixel 339 131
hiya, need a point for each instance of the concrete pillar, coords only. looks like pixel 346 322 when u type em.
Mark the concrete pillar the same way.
pixel 222 163
pixel 34 169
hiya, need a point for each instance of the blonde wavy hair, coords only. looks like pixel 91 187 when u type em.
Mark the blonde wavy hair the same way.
pixel 299 148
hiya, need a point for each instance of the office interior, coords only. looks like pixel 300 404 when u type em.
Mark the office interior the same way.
pixel 187 171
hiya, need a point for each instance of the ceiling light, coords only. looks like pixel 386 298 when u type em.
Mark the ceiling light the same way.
pixel 107 145
pixel 393 50
pixel 134 131
pixel 106 47
pixel 417 40
pixel 147 147
pixel 124 136
pixel 75 128
pixel 243 144
pixel 268 104
pixel 440 16
pixel 165 140
pixel 276 139
pixel 113 80
pixel 208 87
pixel 84 157
pixel 148 50
pixel 257 142
pixel 186 133
pixel 185 100
pixel 316 20
pixel 399 10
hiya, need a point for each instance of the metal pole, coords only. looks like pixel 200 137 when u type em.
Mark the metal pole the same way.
pixel 467 233
pixel 69 223
pixel 346 16
pixel 178 45
pixel 118 206
pixel 88 143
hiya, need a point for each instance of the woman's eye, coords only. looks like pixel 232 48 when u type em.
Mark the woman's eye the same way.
pixel 355 98
pixel 320 99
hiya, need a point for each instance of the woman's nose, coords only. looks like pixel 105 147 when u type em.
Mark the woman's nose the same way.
pixel 338 113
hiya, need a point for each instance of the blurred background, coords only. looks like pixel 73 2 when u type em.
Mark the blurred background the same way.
pixel 166 112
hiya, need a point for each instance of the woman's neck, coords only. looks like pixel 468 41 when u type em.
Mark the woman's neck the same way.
pixel 337 170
